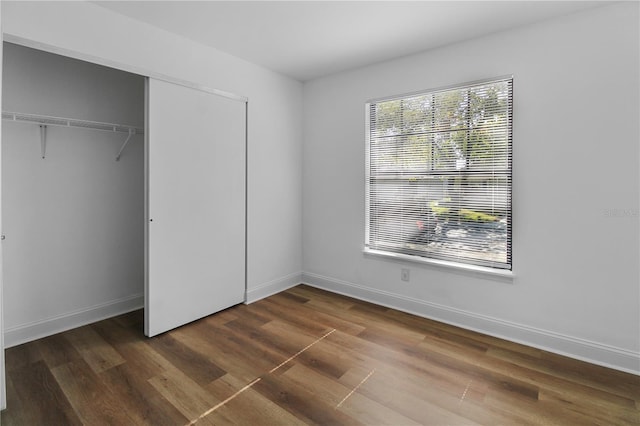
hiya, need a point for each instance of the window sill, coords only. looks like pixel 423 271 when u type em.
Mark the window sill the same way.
pixel 452 266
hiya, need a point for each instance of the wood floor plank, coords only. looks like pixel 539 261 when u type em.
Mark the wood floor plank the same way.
pixel 96 352
pixel 56 350
pixel 300 402
pixel 17 412
pixel 275 310
pixel 137 395
pixel 325 309
pixel 91 401
pixel 243 406
pixel 133 347
pixel 316 356
pixel 252 408
pixel 291 330
pixel 246 330
pixel 301 311
pixel 20 356
pixel 132 320
pixel 197 366
pixel 221 318
pixel 225 359
pixel 322 387
pixel 38 399
pixel 184 394
pixel 292 296
pixel 247 314
pixel 228 350
pixel 306 356
pixel 315 294
pixel 226 386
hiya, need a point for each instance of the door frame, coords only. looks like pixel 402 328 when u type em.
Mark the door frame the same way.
pixel 3 387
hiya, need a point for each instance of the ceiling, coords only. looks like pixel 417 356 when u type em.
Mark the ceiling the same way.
pixel 310 39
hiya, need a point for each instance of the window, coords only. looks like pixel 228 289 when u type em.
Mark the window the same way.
pixel 439 175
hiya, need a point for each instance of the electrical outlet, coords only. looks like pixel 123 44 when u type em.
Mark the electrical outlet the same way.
pixel 405 275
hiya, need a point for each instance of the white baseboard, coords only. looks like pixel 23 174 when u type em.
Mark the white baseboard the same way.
pixel 24 333
pixel 272 287
pixel 584 350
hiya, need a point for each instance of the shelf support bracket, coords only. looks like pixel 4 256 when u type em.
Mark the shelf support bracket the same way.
pixel 124 145
pixel 43 140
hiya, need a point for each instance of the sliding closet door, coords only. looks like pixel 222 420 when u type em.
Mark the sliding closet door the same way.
pixel 196 205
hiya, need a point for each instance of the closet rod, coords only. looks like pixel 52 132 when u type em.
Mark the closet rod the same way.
pixel 70 122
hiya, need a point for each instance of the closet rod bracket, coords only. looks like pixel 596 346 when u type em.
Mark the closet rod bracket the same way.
pixel 131 132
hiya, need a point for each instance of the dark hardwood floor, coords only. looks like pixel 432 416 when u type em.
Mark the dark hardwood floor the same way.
pixel 306 356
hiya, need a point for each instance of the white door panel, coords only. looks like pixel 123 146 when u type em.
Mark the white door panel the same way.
pixel 196 205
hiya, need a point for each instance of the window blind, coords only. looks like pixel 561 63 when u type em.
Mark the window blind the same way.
pixel 439 173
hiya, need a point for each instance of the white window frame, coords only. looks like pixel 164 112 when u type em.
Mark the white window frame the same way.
pixel 425 259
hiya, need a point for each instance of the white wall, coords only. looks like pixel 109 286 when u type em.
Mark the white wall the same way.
pixel 274 116
pixel 74 221
pixel 576 87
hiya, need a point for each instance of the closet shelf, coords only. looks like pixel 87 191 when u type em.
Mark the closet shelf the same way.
pixel 45 120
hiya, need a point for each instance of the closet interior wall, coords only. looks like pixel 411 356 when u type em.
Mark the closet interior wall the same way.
pixel 74 221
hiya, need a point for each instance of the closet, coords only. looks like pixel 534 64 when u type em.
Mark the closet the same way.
pixel 118 190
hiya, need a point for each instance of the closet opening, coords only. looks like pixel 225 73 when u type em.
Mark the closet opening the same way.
pixel 73 192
